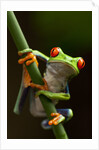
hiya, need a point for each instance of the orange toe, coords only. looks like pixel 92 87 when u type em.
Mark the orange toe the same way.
pixel 50 122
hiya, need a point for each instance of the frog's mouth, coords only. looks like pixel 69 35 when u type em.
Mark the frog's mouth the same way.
pixel 63 69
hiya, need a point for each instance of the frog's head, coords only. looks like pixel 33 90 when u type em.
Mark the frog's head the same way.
pixel 71 65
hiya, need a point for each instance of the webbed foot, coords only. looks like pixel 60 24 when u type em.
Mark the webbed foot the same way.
pixel 59 118
pixel 30 58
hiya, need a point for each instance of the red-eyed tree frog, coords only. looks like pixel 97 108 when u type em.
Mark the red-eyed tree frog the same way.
pixel 60 69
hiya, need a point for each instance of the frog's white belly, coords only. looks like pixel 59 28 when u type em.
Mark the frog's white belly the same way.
pixel 56 76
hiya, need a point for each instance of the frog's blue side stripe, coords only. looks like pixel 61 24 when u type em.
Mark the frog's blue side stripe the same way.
pixel 23 98
pixel 67 88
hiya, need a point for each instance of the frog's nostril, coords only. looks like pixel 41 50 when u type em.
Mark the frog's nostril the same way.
pixel 81 63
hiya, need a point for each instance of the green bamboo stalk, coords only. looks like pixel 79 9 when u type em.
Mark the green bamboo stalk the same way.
pixel 34 72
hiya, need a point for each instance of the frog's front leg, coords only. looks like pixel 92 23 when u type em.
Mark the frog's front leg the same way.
pixel 58 117
pixel 54 96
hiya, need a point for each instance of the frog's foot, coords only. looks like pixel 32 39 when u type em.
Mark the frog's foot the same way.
pixel 40 87
pixel 30 58
pixel 59 118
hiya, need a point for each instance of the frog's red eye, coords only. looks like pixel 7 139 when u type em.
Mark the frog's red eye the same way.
pixel 54 51
pixel 81 63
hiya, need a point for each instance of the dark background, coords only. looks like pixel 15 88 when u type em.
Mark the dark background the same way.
pixel 72 31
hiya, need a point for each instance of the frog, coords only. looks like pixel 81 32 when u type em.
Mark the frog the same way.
pixel 60 69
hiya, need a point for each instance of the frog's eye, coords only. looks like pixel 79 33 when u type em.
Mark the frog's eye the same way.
pixel 81 63
pixel 54 51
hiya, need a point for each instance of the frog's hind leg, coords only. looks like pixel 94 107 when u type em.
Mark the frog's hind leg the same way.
pixel 45 125
pixel 23 91
pixel 67 113
pixel 36 108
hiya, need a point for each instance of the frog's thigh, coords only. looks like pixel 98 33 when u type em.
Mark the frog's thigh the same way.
pixel 36 108
pixel 68 113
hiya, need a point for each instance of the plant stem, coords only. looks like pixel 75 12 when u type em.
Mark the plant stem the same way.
pixel 34 72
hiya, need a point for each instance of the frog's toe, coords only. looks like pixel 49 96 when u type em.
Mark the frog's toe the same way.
pixel 20 61
pixel 29 58
pixel 58 119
